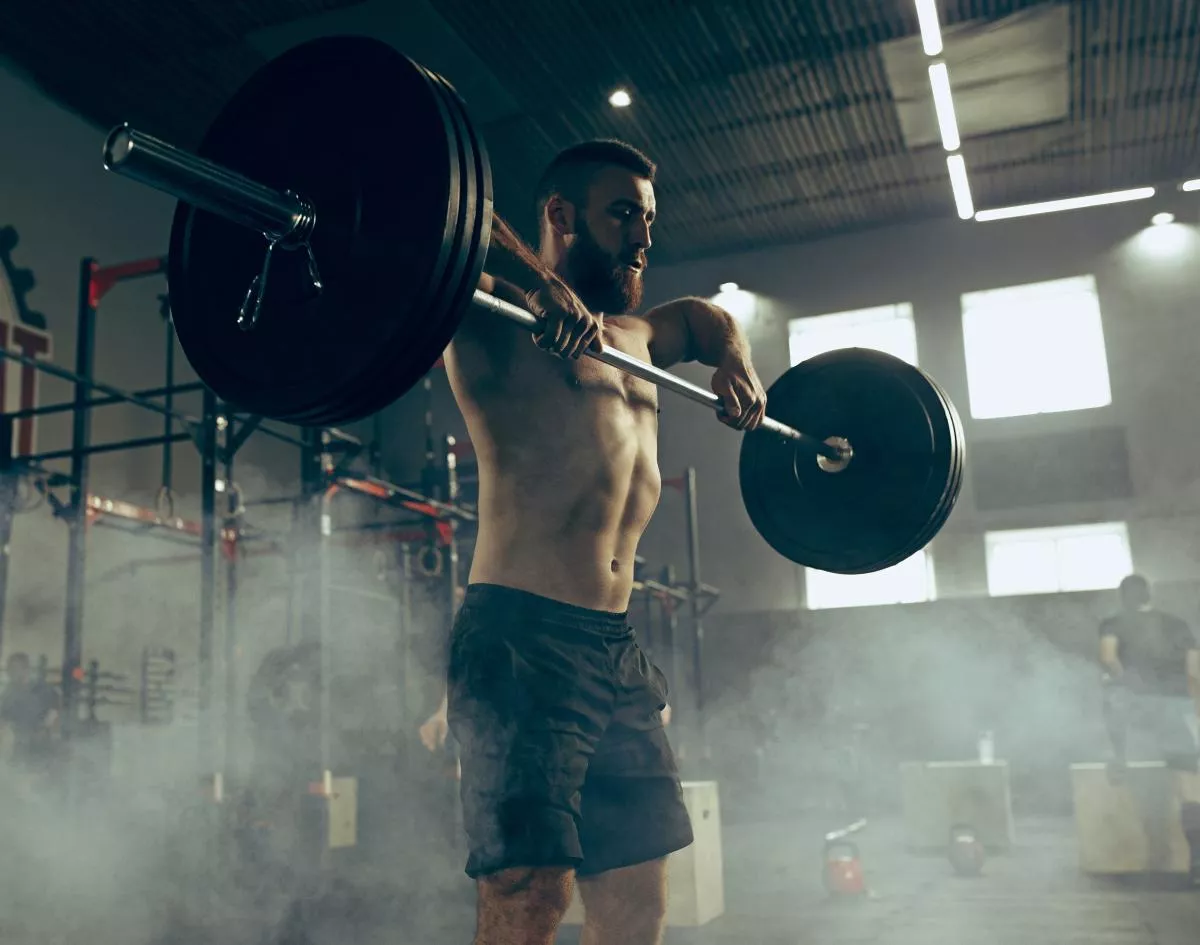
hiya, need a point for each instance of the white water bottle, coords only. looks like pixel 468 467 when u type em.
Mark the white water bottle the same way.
pixel 987 748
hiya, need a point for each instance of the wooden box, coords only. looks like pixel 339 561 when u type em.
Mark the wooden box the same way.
pixel 695 876
pixel 1133 825
pixel 941 794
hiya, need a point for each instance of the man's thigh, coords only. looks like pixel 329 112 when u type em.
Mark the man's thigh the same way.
pixel 632 800
pixel 527 711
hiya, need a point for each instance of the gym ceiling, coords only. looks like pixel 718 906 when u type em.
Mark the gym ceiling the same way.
pixel 774 121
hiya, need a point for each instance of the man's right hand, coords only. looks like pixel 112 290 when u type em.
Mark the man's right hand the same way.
pixel 569 329
pixel 434 731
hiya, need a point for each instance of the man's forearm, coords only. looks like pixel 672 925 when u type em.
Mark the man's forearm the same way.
pixel 714 334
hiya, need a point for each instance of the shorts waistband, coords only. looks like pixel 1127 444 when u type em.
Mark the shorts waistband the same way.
pixel 539 608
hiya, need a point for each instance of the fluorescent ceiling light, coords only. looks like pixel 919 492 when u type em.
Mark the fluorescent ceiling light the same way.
pixel 1071 203
pixel 620 99
pixel 1190 185
pixel 939 79
pixel 962 188
pixel 1162 219
pixel 931 32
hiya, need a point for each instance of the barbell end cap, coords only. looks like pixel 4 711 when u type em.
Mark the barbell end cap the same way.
pixel 118 146
pixel 845 453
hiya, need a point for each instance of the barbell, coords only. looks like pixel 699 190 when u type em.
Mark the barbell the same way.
pixel 330 236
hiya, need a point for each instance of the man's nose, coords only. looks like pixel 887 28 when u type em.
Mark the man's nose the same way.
pixel 639 235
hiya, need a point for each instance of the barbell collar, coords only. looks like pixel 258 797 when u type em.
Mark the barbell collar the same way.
pixel 279 215
pixel 288 218
pixel 660 378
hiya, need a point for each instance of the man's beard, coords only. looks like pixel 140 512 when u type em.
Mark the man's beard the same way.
pixel 601 280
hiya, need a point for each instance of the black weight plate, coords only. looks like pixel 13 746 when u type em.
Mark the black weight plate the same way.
pixel 871 514
pixel 938 401
pixel 400 365
pixel 475 223
pixel 355 127
pixel 953 485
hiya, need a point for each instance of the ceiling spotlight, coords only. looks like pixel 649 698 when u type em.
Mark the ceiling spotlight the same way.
pixel 729 286
pixel 620 99
pixel 1162 219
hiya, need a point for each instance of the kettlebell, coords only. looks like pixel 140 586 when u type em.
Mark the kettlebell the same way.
pixel 843 869
pixel 966 850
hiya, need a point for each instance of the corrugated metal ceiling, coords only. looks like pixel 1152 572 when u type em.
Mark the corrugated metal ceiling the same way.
pixel 773 120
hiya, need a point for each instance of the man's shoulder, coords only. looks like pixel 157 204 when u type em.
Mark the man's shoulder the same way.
pixel 1176 624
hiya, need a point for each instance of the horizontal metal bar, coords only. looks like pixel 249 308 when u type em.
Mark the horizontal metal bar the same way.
pixel 109 447
pixel 204 184
pixel 284 215
pixel 68 406
pixel 54 370
pixel 657 376
pixel 281 436
pixel 389 492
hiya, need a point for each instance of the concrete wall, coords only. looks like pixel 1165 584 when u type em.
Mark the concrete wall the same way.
pixel 1147 281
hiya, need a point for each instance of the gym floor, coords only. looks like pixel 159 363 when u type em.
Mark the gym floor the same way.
pixel 1032 896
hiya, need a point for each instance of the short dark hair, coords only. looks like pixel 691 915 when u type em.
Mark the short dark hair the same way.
pixel 573 169
pixel 19 659
pixel 1135 584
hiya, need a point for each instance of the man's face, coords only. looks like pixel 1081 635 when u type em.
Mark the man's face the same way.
pixel 607 258
pixel 1135 597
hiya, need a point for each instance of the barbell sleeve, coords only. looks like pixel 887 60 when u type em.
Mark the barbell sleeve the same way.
pixel 656 376
pixel 279 215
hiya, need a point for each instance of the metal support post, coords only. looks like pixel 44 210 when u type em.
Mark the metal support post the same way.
pixel 76 511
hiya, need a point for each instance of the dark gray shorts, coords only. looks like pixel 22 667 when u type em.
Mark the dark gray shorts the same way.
pixel 565 761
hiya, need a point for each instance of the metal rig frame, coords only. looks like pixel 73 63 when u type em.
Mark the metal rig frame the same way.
pixel 218 433
pixel 326 455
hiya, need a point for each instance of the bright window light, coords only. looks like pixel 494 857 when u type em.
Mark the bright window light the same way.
pixel 888 328
pixel 909 582
pixel 620 99
pixel 961 186
pixel 1035 349
pixel 931 32
pixel 943 102
pixel 739 303
pixel 1050 560
pixel 1070 203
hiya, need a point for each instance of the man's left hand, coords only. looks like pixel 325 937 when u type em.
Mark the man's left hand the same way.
pixel 743 398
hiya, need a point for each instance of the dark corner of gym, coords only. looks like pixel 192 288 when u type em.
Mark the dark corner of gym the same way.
pixel 600 473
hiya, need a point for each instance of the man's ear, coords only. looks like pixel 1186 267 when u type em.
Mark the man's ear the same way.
pixel 560 215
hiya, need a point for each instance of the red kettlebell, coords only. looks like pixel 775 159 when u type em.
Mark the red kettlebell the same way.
pixel 843 869
pixel 966 850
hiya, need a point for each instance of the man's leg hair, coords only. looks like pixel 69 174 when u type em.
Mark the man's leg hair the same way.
pixel 522 905
pixel 625 906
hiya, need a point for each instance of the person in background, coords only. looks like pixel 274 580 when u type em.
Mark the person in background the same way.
pixel 1151 664
pixel 28 713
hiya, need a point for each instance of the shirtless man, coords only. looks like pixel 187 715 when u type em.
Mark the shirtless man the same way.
pixel 567 774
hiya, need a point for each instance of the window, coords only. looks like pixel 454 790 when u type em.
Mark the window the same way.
pixel 909 582
pixel 889 328
pixel 1047 560
pixel 1035 349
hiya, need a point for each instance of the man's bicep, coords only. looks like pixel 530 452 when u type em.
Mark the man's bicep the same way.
pixel 670 335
